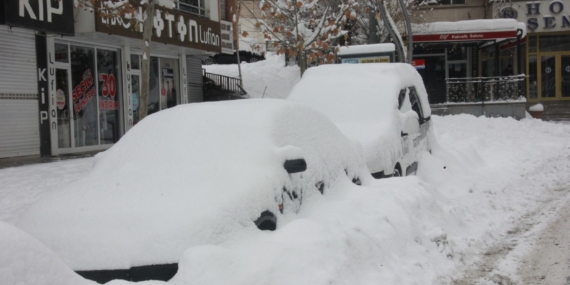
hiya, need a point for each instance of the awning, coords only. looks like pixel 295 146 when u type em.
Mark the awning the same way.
pixel 468 31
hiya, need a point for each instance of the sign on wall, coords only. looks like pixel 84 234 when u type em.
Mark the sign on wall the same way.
pixel 543 16
pixel 50 16
pixel 169 27
pixel 376 59
pixel 227 37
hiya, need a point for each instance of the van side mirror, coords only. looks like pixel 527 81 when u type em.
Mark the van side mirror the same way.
pixel 295 165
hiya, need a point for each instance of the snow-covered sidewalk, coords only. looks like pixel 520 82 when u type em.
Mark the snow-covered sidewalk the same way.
pixel 480 200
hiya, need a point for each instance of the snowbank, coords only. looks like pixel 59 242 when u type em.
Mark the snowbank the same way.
pixel 24 260
pixel 488 187
pixel 269 78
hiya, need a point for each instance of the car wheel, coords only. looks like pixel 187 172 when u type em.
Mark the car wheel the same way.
pixel 266 221
pixel 208 61
pixel 252 60
pixel 397 171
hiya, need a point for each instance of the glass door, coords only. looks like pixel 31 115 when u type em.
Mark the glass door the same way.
pixel 135 96
pixel 63 99
pixel 548 76
pixel 565 75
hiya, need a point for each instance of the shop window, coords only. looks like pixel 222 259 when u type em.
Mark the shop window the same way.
pixel 84 100
pixel 554 43
pixel 548 76
pixel 168 76
pixel 62 101
pixel 153 87
pixel 108 83
pixel 532 77
pixel 457 53
pixel 532 44
pixel 135 61
pixel 61 53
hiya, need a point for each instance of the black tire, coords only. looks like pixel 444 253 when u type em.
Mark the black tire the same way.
pixel 397 172
pixel 266 221
pixel 252 60
pixel 208 61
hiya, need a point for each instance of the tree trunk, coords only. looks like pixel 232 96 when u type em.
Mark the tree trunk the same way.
pixel 145 70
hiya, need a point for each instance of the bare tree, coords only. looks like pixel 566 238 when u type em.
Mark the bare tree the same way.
pixel 296 27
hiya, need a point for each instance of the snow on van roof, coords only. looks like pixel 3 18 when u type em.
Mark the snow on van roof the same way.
pixel 362 100
pixel 194 174
pixel 366 49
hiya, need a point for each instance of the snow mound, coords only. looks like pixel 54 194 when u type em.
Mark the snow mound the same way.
pixel 24 260
pixel 269 78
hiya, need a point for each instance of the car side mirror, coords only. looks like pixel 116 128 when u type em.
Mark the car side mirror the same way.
pixel 295 165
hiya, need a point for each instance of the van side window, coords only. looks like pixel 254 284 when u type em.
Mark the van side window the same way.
pixel 401 98
pixel 416 105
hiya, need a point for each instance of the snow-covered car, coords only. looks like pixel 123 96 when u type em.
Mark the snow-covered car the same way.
pixel 384 106
pixel 192 175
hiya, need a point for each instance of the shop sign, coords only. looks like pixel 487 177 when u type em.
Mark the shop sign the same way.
pixel 461 37
pixel 367 59
pixel 419 63
pixel 227 37
pixel 50 16
pixel 169 27
pixel 543 16
pixel 168 73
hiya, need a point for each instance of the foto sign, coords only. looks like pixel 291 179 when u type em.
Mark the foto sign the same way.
pixel 49 16
pixel 169 27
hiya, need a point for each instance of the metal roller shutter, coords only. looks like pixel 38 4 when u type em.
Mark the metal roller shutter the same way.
pixel 19 115
pixel 195 89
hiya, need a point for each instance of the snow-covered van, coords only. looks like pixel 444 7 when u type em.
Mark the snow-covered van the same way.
pixel 384 106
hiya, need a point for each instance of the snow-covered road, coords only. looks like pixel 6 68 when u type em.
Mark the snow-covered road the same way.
pixel 490 206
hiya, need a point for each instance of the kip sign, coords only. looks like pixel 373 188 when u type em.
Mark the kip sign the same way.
pixel 50 16
pixel 169 27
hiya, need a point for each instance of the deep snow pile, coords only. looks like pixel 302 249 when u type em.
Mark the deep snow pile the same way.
pixel 482 183
pixel 24 260
pixel 192 175
pixel 269 78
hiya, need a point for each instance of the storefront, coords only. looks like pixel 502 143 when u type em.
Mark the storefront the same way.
pixel 548 49
pixel 464 50
pixel 85 85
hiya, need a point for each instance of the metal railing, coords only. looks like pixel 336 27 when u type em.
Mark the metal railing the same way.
pixel 226 83
pixel 485 89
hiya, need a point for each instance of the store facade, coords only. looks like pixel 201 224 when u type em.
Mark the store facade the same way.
pixel 466 52
pixel 84 83
pixel 548 48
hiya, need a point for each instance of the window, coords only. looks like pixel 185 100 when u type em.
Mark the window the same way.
pixel 451 2
pixel 416 105
pixel 197 7
pixel 440 2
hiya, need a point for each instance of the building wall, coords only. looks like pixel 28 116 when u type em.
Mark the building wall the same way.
pixel 473 9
